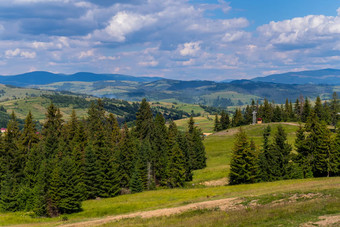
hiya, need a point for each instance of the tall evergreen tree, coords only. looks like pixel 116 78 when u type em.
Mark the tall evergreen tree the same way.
pixel 217 125
pixel 176 167
pixel 225 121
pixel 243 167
pixel 144 121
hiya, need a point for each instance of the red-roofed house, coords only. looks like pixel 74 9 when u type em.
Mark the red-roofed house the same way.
pixel 3 130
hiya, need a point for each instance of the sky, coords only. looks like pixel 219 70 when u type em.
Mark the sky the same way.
pixel 176 39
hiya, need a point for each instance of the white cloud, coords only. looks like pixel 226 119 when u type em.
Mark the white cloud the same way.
pixel 189 49
pixel 302 30
pixel 152 63
pixel 85 54
pixel 18 52
pixel 235 36
pixel 124 23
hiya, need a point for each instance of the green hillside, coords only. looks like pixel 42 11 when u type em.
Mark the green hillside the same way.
pixel 236 93
pixel 273 200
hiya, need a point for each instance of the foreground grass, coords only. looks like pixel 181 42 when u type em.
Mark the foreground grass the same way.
pixel 285 214
pixel 172 198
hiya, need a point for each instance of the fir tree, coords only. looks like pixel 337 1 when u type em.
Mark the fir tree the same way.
pixel 144 121
pixel 306 111
pixel 176 167
pixel 29 135
pixel 160 149
pixel 217 125
pixel 225 121
pixel 243 161
pixel 136 184
pixel 304 157
pixel 126 157
pixel 281 149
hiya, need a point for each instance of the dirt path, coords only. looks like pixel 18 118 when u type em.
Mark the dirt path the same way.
pixel 224 204
pixel 324 221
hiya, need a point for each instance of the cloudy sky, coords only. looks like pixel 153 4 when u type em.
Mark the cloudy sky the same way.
pixel 179 39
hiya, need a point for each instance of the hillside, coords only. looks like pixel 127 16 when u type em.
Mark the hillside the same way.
pixel 23 100
pixel 301 201
pixel 323 76
pixel 204 92
pixel 41 77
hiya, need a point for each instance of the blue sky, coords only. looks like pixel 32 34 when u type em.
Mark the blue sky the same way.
pixel 178 39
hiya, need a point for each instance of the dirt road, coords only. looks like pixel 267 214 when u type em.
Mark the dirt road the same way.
pixel 223 204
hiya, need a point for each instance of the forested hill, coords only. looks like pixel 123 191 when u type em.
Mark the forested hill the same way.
pixel 204 92
pixel 323 76
pixel 41 77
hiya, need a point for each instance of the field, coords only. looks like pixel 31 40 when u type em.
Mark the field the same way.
pixel 324 199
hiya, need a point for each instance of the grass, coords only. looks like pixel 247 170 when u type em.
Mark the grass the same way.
pixel 286 214
pixel 173 197
pixel 205 123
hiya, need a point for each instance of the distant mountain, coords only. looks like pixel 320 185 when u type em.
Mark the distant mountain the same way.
pixel 323 76
pixel 41 78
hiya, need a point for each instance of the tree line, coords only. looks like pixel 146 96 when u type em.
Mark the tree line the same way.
pixel 52 171
pixel 327 111
pixel 317 154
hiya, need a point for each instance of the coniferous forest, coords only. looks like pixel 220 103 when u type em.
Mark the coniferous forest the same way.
pixel 317 154
pixel 52 171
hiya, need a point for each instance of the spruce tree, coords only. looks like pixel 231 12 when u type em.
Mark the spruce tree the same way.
pixel 265 158
pixel 304 157
pixel 126 157
pixel 136 184
pixel 29 135
pixel 306 111
pixel 176 167
pixel 281 149
pixel 225 121
pixel 335 109
pixel 160 150
pixel 243 167
pixel 144 121
pixel 217 125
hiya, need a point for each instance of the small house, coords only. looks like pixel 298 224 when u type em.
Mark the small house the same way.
pixel 259 120
pixel 3 130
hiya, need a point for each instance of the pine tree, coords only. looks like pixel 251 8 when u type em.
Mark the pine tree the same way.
pixel 335 109
pixel 160 149
pixel 217 125
pixel 281 149
pixel 176 167
pixel 265 158
pixel 136 184
pixel 238 118
pixel 304 157
pixel 144 121
pixel 225 121
pixel 318 108
pixel 126 157
pixel 196 146
pixel 243 168
pixel 306 111
pixel 29 135
pixel 91 182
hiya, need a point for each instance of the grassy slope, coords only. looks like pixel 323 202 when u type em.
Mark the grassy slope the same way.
pixel 219 149
pixel 218 152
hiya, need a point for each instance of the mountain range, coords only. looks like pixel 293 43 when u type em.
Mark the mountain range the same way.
pixel 41 78
pixel 238 92
pixel 322 76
